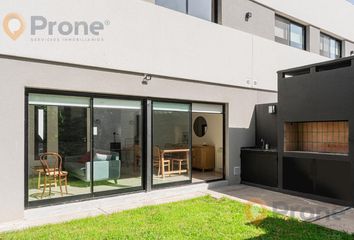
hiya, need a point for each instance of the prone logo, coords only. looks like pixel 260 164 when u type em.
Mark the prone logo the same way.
pixel 40 23
pixel 14 25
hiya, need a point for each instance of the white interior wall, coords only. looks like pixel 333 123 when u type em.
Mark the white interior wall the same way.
pixel 213 136
pixel 52 129
pixel 169 128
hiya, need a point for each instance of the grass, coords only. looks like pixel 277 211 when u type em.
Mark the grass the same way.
pixel 200 218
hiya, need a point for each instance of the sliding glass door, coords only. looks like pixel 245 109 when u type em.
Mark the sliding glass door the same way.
pixel 79 146
pixel 171 142
pixel 88 145
pixel 117 144
pixel 60 126
pixel 208 142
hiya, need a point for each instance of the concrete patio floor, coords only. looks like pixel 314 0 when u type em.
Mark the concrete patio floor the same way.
pixel 324 214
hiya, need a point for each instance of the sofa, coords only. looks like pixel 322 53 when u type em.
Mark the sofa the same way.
pixel 106 167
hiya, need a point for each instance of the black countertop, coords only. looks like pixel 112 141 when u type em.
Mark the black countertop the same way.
pixel 258 149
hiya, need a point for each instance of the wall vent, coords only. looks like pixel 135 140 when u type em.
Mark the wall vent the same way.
pixel 296 73
pixel 333 66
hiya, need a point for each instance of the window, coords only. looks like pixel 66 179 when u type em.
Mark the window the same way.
pixel 198 8
pixel 177 5
pixel 201 9
pixel 289 33
pixel 330 47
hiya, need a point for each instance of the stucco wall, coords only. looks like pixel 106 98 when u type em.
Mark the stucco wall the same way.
pixel 20 74
pixel 261 23
pixel 347 48
pixel 143 37
pixel 334 16
pixel 313 39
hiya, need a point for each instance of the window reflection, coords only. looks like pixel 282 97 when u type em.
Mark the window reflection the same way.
pixel 177 5
pixel 289 33
pixel 201 9
pixel 198 8
pixel 330 47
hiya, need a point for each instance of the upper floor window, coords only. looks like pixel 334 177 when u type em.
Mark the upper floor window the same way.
pixel 198 8
pixel 330 47
pixel 289 33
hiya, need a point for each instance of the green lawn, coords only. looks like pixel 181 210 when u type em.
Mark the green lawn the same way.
pixel 200 218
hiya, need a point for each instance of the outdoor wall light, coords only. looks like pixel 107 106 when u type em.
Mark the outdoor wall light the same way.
pixel 248 16
pixel 146 79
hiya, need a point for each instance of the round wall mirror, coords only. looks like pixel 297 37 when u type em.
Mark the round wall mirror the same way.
pixel 200 126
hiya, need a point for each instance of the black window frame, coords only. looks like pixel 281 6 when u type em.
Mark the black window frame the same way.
pixel 322 34
pixel 289 23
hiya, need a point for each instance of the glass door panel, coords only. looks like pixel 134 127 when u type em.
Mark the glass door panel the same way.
pixel 117 144
pixel 208 142
pixel 59 125
pixel 171 142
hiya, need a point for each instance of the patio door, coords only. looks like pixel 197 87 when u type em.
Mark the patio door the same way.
pixel 117 144
pixel 57 124
pixel 82 146
pixel 171 143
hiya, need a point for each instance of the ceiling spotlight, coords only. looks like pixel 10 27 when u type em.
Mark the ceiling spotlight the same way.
pixel 248 16
pixel 146 79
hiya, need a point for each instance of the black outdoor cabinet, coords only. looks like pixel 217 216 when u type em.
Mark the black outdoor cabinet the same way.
pixel 298 174
pixel 259 167
pixel 315 128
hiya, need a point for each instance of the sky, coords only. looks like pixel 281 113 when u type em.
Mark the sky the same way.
pixel 352 1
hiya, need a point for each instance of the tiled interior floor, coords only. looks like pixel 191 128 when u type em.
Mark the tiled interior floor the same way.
pixel 73 190
pixel 200 176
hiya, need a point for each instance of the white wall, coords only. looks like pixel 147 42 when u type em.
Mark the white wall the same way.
pixel 143 37
pixel 212 137
pixel 335 16
pixel 261 23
